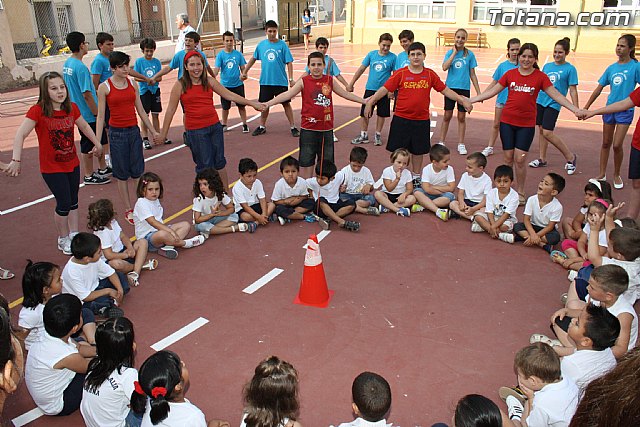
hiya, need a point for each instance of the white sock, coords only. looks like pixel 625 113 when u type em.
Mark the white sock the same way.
pixel 363 133
pixel 515 408
pixel 379 133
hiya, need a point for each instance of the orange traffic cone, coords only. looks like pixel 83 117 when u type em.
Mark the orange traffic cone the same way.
pixel 313 287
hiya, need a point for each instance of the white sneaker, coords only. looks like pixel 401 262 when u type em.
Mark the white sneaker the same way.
pixel 194 241
pixel 64 245
pixel 441 143
pixel 335 138
pixel 475 227
pixel 462 149
pixel 487 151
pixel 572 275
pixel 506 237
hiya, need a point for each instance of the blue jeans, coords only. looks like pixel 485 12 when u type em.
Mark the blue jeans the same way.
pixel 126 152
pixel 448 195
pixel 208 225
pixel 104 301
pixel 355 197
pixel 133 420
pixel 207 147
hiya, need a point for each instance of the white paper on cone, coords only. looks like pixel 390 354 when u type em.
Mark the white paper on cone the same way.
pixel 312 257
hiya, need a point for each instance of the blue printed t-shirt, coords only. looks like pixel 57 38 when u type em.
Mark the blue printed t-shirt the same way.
pixel 78 81
pixel 562 76
pixel 335 71
pixel 460 70
pixel 402 60
pixel 503 68
pixel 380 68
pixel 178 61
pixel 229 64
pixel 622 78
pixel 101 66
pixel 148 68
pixel 274 57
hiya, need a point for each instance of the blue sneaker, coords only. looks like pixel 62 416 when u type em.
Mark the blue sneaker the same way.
pixel 403 212
pixel 383 209
pixel 310 218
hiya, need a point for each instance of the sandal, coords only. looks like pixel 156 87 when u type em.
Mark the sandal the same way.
pixel 544 339
pixel 6 274
pixel 558 256
pixel 133 278
pixel 150 265
pixel 128 215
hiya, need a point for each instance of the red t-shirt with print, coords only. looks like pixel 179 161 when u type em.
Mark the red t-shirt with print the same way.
pixel 55 139
pixel 635 98
pixel 414 92
pixel 520 109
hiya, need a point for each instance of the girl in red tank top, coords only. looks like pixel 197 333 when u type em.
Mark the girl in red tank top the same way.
pixel 316 137
pixel 203 131
pixel 123 99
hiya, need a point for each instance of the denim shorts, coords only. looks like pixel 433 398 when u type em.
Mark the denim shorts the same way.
pixel 207 147
pixel 448 195
pixel 209 224
pixel 315 144
pixel 126 152
pixel 355 197
pixel 148 237
pixel 621 118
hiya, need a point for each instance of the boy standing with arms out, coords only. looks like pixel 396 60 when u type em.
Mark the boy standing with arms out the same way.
pixel 273 54
pixel 82 92
pixel 358 183
pixel 291 194
pixel 381 63
pixel 541 214
pixel 249 197
pixel 190 42
pixel 230 64
pixel 472 188
pixel 499 216
pixel 437 184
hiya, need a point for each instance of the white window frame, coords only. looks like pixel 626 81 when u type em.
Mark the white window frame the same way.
pixel 632 6
pixel 104 18
pixel 418 10
pixel 480 8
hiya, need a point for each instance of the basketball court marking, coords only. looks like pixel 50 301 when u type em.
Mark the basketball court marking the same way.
pixel 179 334
pixel 321 235
pixel 262 281
pixel 27 417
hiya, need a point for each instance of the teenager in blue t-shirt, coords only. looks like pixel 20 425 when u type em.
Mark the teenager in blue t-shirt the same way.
pixel 191 40
pixel 274 55
pixel 623 76
pixel 564 77
pixel 381 63
pixel 230 63
pixel 460 63
pixel 100 68
pixel 82 92
pixel 405 37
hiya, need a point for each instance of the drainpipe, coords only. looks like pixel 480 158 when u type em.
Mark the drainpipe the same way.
pixel 578 27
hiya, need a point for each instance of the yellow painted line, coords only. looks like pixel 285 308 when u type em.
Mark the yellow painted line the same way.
pixel 188 208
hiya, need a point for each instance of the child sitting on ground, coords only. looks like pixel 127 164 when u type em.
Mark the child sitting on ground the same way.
pixel 326 189
pixel 213 211
pixel 358 183
pixel 499 215
pixel 547 399
pixel 607 283
pixel 396 193
pixel 249 197
pixel 371 396
pixel 595 189
pixel 117 249
pixel 438 182
pixel 291 194
pixel 95 282
pixel 55 368
pixel 473 187
pixel 541 214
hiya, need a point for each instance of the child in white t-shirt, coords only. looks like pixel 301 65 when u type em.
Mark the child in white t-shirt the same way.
pixel 249 197
pixel 291 194
pixel 147 218
pixel 55 368
pixel 437 184
pixel 325 188
pixel 541 214
pixel 117 248
pixel 396 194
pixel 213 211
pixel 473 187
pixel 110 377
pixel 499 215
pixel 358 183
pixel 371 396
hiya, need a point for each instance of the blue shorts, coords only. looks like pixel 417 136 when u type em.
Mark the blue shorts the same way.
pixel 126 152
pixel 355 197
pixel 546 117
pixel 287 210
pixel 209 224
pixel 621 118
pixel 470 203
pixel 513 137
pixel 448 195
pixel 148 237
pixel 207 147
pixel 582 281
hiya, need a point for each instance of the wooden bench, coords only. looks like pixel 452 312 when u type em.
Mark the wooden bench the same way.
pixel 446 36
pixel 214 43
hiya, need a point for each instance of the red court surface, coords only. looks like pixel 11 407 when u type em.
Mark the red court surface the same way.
pixel 435 309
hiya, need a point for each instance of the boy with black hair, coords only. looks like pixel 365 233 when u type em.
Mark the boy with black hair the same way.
pixel 56 367
pixel 274 55
pixel 249 197
pixel 405 38
pixel 291 194
pixel 230 64
pixel 371 396
pixel 499 215
pixel 82 92
pixel 191 40
pixel 326 189
pixel 542 213
pixel 358 183
pixel 100 69
pixel 330 66
pixel 473 188
pixel 88 277
pixel 437 183
pixel 543 396
pixel 381 63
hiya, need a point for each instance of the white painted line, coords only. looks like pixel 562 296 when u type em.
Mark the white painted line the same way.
pixel 499 59
pixel 434 114
pixel 321 235
pixel 179 334
pixel 14 101
pixel 434 124
pixel 430 135
pixel 262 281
pixel 27 417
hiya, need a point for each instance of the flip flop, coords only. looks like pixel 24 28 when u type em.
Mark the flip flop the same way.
pixel 6 274
pixel 133 278
pixel 152 264
pixel 544 339
pixel 558 256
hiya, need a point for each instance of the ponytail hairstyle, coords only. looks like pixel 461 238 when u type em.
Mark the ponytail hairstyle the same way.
pixel 465 51
pixel 510 42
pixel 631 42
pixel 101 213
pixel 158 377
pixel 272 394
pixel 534 49
pixel 565 43
pixel 114 348
pixel 37 276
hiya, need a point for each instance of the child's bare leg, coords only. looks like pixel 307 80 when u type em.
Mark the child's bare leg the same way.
pixel 462 126
pixel 223 177
pixel 416 163
pixel 495 129
pixel 225 117
pixel 245 217
pixel 383 199
pixel 379 124
pixel 121 265
pixel 426 202
pixel 571 253
pixel 271 207
pixel 223 227
pixel 482 222
pixel 364 124
pixel 143 129
pixel 141 247
pixel 455 206
pixel 155 117
pixel 361 206
pixel 448 114
pixel 409 201
pixel 89 332
pixel 563 337
pixel 243 113
pixel 182 229
pixel 573 300
pixel 567 228
pixel 333 216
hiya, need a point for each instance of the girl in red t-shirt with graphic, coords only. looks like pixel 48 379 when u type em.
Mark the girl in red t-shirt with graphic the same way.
pixel 53 118
pixel 518 121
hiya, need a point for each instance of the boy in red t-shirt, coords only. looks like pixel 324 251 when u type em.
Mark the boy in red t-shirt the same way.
pixel 410 126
